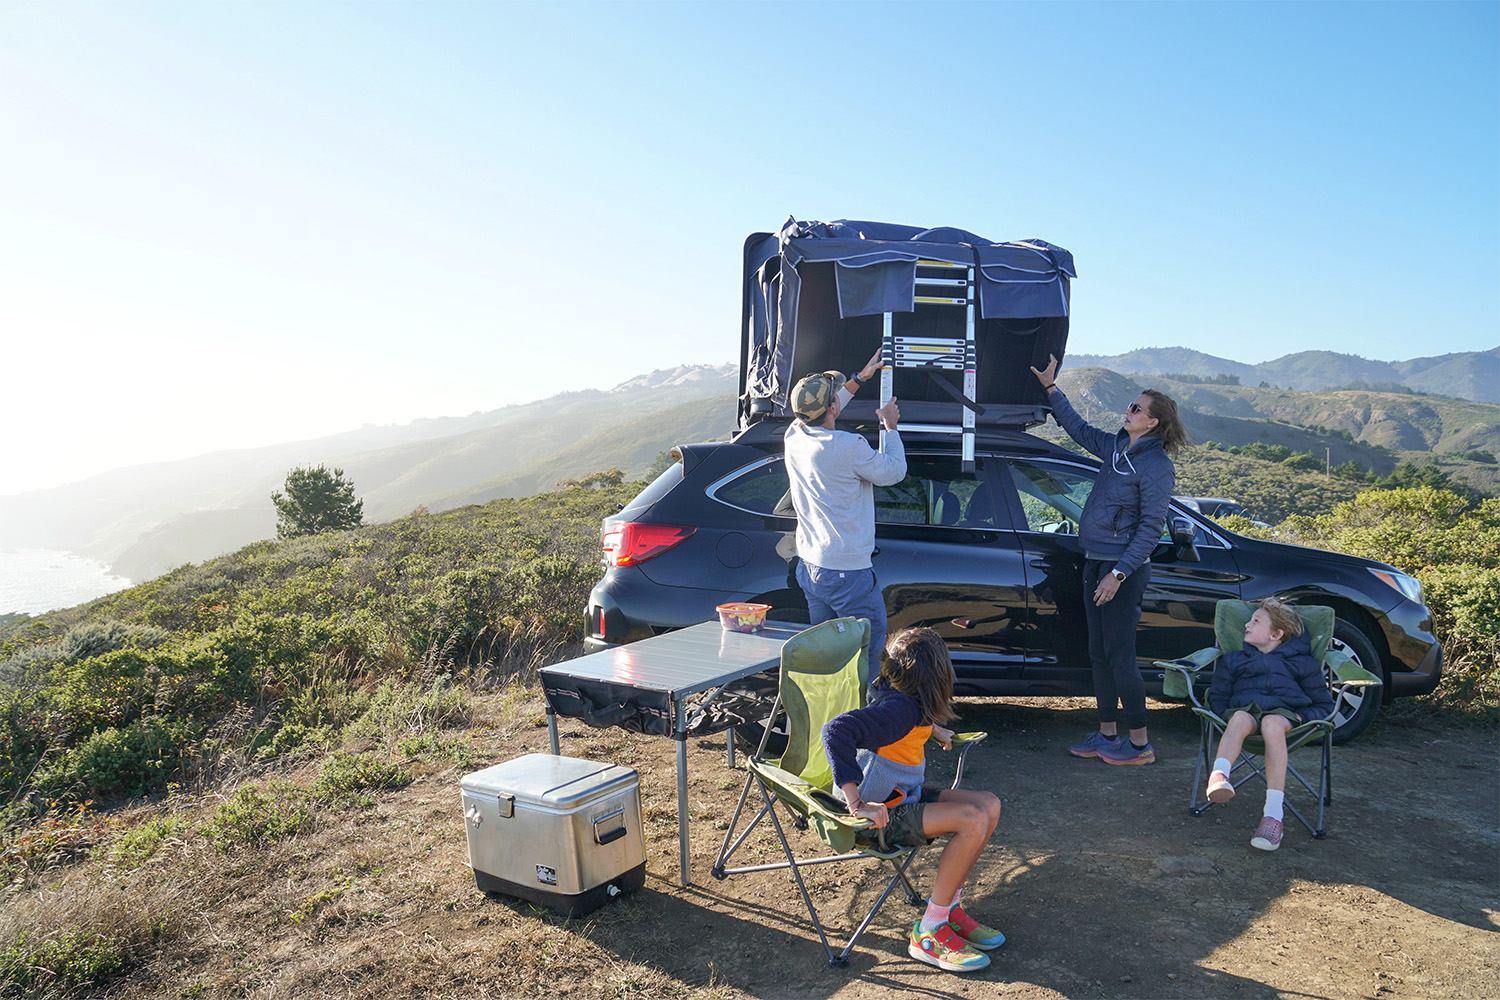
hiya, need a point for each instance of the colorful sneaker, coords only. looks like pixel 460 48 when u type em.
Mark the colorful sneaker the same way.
pixel 1090 747
pixel 976 934
pixel 1220 788
pixel 1125 752
pixel 1267 835
pixel 944 949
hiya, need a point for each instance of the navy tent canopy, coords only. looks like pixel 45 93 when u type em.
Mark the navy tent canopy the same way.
pixel 808 287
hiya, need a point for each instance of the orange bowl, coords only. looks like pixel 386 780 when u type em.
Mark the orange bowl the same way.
pixel 742 617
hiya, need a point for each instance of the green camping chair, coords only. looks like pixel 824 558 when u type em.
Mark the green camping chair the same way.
pixel 1184 679
pixel 824 673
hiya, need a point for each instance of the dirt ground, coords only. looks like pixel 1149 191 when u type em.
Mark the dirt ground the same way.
pixel 1103 882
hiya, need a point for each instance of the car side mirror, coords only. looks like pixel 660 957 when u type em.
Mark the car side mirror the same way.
pixel 1184 538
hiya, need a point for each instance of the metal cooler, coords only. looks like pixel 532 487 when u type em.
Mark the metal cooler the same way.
pixel 558 831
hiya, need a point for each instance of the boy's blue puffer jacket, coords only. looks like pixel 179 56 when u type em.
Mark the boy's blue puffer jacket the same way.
pixel 1123 517
pixel 1286 677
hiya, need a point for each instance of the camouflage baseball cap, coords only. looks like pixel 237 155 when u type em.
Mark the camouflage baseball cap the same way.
pixel 812 396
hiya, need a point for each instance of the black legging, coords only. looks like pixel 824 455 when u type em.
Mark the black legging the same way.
pixel 1117 679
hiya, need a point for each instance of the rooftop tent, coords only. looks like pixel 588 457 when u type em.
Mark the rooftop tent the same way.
pixel 824 295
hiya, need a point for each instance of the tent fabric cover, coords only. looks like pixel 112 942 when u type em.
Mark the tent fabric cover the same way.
pixel 875 270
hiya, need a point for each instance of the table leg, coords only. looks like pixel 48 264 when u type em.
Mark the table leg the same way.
pixel 682 796
pixel 552 729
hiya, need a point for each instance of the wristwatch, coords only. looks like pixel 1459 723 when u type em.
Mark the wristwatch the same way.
pixel 1117 575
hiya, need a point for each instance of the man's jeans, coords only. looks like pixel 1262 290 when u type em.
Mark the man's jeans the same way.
pixel 845 593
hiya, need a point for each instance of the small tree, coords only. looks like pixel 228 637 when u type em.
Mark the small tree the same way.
pixel 315 501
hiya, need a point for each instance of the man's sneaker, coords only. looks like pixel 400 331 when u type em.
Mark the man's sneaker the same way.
pixel 1220 788
pixel 976 934
pixel 1267 835
pixel 1125 753
pixel 1090 747
pixel 944 949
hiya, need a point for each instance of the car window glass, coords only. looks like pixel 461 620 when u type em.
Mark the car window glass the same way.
pixel 660 486
pixel 1052 496
pixel 761 489
pixel 936 491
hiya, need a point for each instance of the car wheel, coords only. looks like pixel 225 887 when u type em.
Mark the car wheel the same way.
pixel 747 735
pixel 1355 708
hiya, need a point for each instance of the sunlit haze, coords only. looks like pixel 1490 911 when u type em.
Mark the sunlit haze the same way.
pixel 241 223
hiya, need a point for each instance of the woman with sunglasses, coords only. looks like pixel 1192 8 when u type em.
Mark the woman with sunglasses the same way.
pixel 1121 523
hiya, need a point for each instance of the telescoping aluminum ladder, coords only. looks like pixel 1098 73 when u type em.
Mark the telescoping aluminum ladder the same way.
pixel 939 283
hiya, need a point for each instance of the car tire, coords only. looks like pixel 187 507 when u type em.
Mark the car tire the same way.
pixel 1354 710
pixel 747 735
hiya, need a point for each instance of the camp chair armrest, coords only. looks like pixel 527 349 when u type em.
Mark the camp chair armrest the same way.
pixel 805 798
pixel 1347 673
pixel 1181 676
pixel 1195 661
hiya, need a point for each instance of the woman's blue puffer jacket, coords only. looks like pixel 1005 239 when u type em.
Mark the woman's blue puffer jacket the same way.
pixel 1123 517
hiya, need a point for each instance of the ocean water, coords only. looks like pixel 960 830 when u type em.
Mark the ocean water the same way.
pixel 38 580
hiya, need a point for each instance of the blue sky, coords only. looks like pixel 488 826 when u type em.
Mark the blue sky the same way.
pixel 232 224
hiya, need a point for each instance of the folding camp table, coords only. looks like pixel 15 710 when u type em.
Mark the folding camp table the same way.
pixel 647 686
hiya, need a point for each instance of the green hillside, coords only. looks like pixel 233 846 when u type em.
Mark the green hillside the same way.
pixel 253 744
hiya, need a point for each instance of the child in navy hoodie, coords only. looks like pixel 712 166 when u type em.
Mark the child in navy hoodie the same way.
pixel 879 759
pixel 1272 684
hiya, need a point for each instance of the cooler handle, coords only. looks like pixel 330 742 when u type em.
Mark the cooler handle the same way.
pixel 613 835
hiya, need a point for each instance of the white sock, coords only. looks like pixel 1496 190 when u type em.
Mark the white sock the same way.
pixel 954 905
pixel 1223 766
pixel 936 916
pixel 1273 803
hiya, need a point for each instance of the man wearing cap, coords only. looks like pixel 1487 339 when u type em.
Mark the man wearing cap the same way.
pixel 833 477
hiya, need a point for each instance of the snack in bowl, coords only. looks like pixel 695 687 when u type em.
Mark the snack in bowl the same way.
pixel 742 617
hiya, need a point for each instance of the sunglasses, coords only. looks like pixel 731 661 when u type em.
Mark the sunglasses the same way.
pixel 1135 408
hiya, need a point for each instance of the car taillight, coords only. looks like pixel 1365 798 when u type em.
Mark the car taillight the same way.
pixel 630 543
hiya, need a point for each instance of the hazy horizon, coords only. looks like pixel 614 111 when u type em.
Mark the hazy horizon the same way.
pixel 233 225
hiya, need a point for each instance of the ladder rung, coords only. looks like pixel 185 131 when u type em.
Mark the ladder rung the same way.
pixel 948 282
pixel 936 300
pixel 924 262
pixel 911 338
pixel 951 362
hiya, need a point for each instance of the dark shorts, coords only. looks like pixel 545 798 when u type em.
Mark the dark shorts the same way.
pixel 905 826
pixel 1257 713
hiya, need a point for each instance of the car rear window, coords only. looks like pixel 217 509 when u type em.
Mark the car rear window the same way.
pixel 659 487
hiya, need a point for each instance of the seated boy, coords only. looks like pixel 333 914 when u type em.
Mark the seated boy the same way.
pixel 1272 684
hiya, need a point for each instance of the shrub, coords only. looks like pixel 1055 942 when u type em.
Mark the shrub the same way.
pixel 252 818
pixel 1465 605
pixel 75 958
pixel 136 846
pixel 346 775
pixel 129 761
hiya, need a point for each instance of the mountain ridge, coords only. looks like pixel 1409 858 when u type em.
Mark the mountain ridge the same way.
pixel 1471 375
pixel 144 520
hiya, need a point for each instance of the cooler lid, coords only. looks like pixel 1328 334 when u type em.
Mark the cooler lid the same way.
pixel 545 779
